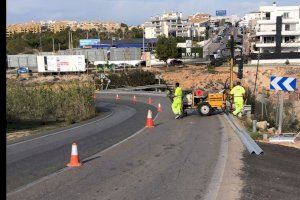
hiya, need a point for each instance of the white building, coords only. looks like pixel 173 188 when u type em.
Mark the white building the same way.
pixel 167 24
pixel 217 20
pixel 250 20
pixel 266 28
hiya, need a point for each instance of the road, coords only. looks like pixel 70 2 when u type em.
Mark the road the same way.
pixel 175 160
pixel 33 159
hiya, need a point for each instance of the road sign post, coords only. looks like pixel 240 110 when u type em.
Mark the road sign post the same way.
pixel 282 84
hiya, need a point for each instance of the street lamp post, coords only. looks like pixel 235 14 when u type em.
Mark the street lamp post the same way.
pixel 143 40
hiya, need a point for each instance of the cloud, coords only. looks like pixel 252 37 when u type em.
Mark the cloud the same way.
pixel 128 11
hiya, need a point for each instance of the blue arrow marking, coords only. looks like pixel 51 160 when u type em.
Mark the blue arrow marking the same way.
pixel 293 84
pixel 280 83
pixel 271 86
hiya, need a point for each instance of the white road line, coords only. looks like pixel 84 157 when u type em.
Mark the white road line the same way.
pixel 67 168
pixel 10 145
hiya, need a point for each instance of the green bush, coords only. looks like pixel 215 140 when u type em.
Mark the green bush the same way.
pixel 132 78
pixel 69 102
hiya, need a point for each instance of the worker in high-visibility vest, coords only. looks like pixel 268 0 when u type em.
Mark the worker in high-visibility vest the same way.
pixel 238 93
pixel 177 101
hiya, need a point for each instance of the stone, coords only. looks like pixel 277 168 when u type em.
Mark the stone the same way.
pixel 262 125
pixel 271 130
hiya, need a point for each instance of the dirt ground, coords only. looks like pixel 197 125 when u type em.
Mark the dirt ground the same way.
pixel 275 175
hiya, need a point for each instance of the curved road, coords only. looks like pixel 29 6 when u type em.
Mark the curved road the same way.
pixel 178 159
pixel 30 160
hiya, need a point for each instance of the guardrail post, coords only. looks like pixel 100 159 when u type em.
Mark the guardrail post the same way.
pixel 254 126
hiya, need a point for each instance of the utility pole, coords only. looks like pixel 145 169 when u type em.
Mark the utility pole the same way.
pixel 53 44
pixel 143 40
pixel 69 40
pixel 231 59
pixel 41 48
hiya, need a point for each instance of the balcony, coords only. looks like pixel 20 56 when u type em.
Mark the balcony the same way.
pixel 291 32
pixel 261 44
pixel 265 32
pixel 266 21
pixel 291 44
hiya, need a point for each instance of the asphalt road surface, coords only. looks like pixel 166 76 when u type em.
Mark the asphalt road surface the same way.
pixel 273 176
pixel 30 160
pixel 175 160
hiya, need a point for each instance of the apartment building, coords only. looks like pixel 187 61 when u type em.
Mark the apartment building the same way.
pixel 278 29
pixel 34 27
pixel 58 26
pixel 174 24
pixel 250 20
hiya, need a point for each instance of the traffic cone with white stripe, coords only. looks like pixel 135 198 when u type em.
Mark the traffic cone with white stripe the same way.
pixel 149 122
pixel 118 97
pixel 134 98
pixel 159 109
pixel 74 161
pixel 149 100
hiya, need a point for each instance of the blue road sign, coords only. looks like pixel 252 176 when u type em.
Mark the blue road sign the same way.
pixel 283 83
pixel 221 13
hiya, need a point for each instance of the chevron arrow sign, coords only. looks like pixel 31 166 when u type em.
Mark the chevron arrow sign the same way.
pixel 283 83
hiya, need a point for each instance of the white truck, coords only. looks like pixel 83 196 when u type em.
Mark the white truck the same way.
pixel 61 63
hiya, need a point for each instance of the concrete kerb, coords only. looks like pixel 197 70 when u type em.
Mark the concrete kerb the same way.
pixel 83 161
pixel 215 182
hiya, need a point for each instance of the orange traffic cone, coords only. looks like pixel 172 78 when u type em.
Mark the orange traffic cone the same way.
pixel 74 161
pixel 149 122
pixel 118 97
pixel 159 109
pixel 149 100
pixel 134 98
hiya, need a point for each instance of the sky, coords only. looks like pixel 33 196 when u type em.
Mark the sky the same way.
pixel 131 12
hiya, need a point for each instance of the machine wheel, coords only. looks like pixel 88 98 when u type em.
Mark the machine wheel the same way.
pixel 204 109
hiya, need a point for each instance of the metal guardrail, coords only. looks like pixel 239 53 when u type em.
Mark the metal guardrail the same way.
pixel 156 86
pixel 249 143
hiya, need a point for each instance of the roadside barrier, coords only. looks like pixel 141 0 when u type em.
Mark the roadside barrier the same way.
pixel 248 142
pixel 159 108
pixel 149 122
pixel 74 160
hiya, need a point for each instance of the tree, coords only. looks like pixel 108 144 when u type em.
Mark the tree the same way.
pixel 166 48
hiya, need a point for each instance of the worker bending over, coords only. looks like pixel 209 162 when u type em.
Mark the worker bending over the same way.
pixel 238 93
pixel 177 101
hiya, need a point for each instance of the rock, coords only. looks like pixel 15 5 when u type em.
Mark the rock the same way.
pixel 271 130
pixel 262 125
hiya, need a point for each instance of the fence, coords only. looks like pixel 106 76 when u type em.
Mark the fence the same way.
pixel 116 54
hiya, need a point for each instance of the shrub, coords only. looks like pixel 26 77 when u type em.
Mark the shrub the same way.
pixel 60 102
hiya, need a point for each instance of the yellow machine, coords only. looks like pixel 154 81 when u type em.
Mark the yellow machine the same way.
pixel 206 104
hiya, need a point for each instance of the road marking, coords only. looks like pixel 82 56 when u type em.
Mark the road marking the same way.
pixel 10 145
pixel 67 168
pixel 215 182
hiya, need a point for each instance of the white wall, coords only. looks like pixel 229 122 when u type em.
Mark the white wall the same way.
pixel 276 61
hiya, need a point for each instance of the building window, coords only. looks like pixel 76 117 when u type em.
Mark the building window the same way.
pixel 269 39
pixel 287 27
pixel 268 16
pixel 289 39
pixel 286 15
